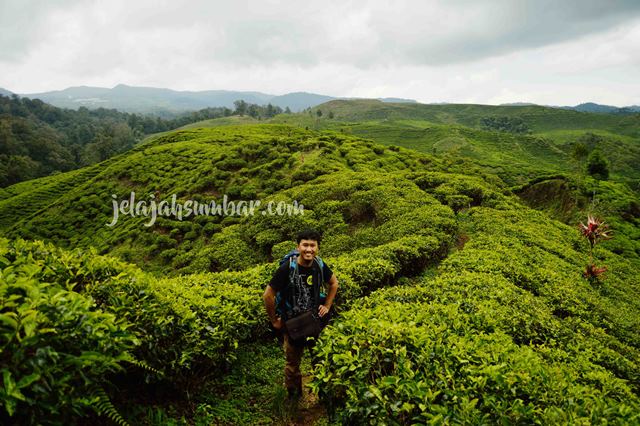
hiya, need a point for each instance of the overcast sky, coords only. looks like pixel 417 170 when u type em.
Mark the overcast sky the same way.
pixel 548 52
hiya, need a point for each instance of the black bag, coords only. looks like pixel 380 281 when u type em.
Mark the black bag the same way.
pixel 304 325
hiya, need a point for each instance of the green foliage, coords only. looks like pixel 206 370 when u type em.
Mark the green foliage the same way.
pixel 537 118
pixel 203 165
pixel 256 377
pixel 104 407
pixel 184 330
pixel 515 157
pixel 256 111
pixel 37 139
pixel 597 165
pixel 579 151
pixel 57 346
pixel 505 124
pixel 507 332
pixel 500 329
pixel 401 363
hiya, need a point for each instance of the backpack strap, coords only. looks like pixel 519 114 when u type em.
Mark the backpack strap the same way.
pixel 320 263
pixel 293 272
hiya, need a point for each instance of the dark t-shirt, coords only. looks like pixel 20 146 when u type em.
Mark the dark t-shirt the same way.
pixel 301 295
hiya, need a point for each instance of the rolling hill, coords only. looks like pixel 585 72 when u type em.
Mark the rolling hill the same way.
pixel 459 302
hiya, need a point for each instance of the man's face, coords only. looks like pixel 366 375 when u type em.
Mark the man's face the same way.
pixel 308 249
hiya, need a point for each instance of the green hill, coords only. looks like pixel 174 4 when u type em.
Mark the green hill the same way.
pixel 242 162
pixel 537 118
pixel 525 146
pixel 517 141
pixel 38 139
pixel 458 301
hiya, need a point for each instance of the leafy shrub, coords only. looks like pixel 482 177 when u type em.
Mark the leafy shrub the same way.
pixel 58 348
pixel 505 124
pixel 406 363
pixel 185 329
pixel 597 165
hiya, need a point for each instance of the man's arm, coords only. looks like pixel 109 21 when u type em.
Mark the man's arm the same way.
pixel 269 298
pixel 333 289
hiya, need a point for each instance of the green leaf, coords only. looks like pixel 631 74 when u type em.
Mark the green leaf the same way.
pixel 7 319
pixel 9 384
pixel 27 380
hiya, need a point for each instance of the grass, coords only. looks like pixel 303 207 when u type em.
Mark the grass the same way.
pixel 251 393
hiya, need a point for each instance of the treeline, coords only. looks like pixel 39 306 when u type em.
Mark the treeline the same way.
pixel 37 139
pixel 258 111
pixel 506 124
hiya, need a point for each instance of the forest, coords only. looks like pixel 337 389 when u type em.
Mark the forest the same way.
pixel 38 139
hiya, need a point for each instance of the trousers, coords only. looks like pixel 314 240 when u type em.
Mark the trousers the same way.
pixel 293 355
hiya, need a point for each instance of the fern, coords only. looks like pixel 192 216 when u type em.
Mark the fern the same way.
pixel 104 406
pixel 143 365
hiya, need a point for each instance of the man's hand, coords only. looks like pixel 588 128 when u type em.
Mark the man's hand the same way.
pixel 322 310
pixel 333 289
pixel 269 297
pixel 277 324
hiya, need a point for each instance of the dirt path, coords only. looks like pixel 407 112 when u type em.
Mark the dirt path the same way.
pixel 309 408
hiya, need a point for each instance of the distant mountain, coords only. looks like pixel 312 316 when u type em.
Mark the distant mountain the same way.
pixel 398 100
pixel 597 108
pixel 602 109
pixel 518 104
pixel 632 109
pixel 146 99
pixel 164 102
pixel 299 100
pixel 167 102
pixel 5 92
pixel 587 107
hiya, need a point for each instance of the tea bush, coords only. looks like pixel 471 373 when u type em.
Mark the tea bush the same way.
pixel 403 363
pixel 248 161
pixel 58 348
pixel 507 332
pixel 184 329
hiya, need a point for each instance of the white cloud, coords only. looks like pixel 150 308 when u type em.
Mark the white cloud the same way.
pixel 433 51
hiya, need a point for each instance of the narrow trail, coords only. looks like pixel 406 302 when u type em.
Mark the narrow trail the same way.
pixel 309 410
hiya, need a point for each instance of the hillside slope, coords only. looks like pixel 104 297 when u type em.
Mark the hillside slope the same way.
pixel 541 153
pixel 457 302
pixel 538 118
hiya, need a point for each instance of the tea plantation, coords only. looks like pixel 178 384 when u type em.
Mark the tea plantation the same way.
pixel 462 298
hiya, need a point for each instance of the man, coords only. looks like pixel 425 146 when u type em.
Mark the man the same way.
pixel 299 286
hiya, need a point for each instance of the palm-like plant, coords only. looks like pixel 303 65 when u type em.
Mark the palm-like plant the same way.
pixel 594 231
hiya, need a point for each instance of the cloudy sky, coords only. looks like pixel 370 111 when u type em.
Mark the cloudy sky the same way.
pixel 496 51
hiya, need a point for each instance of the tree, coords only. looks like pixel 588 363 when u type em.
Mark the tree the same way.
pixel 287 110
pixel 253 110
pixel 241 107
pixel 16 168
pixel 319 113
pixel 331 114
pixel 579 151
pixel 597 165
